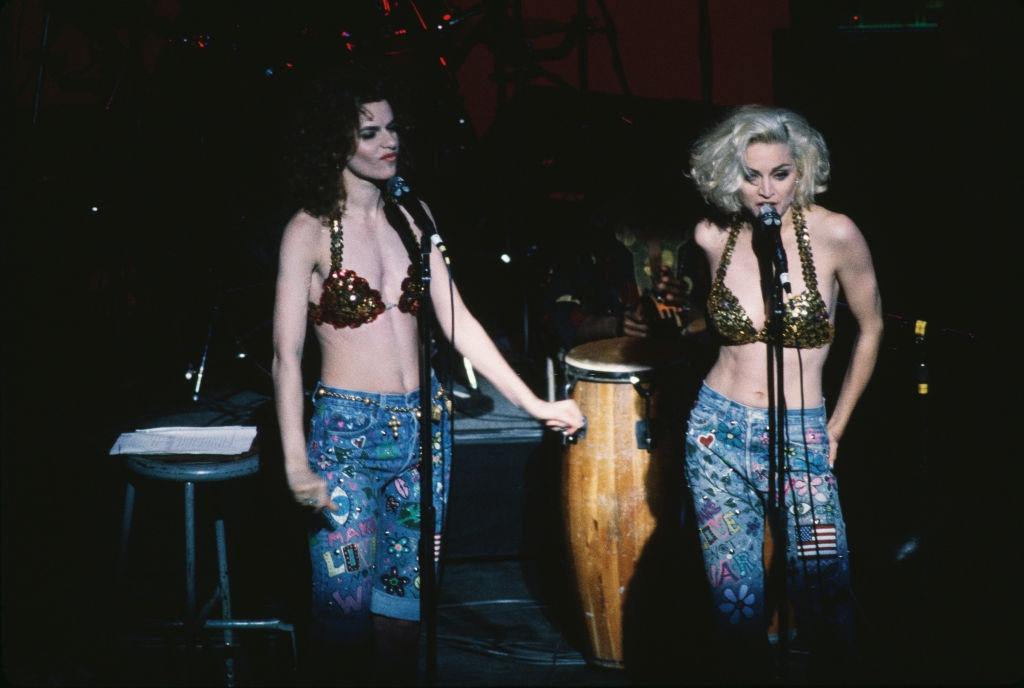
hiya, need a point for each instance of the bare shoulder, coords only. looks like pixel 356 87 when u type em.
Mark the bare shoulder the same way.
pixel 843 244
pixel 302 239
pixel 834 230
pixel 302 232
pixel 303 226
pixel 709 235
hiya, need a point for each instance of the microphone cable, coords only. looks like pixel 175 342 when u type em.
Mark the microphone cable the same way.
pixel 449 380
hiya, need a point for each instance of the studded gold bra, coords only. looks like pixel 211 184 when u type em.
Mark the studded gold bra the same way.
pixel 348 300
pixel 805 319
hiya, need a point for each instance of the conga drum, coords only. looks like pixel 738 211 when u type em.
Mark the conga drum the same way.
pixel 607 475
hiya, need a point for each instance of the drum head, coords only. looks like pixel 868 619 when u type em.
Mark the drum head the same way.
pixel 622 356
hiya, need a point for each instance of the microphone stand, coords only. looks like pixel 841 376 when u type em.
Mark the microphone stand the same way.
pixel 398 189
pixel 772 268
pixel 428 517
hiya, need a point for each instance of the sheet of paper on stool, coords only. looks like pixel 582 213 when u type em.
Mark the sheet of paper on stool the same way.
pixel 222 439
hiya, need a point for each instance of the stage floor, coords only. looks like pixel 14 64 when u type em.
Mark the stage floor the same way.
pixel 929 610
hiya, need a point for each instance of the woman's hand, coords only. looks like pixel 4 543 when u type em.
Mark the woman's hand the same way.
pixel 308 488
pixel 564 416
pixel 833 447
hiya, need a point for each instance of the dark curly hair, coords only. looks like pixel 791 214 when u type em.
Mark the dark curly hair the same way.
pixel 321 136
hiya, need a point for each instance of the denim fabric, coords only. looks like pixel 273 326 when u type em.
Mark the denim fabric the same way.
pixel 365 556
pixel 727 471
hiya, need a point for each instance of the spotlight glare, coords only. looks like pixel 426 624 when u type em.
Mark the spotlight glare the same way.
pixel 505 258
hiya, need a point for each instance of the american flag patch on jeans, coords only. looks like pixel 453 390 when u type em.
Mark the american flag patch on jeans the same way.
pixel 818 540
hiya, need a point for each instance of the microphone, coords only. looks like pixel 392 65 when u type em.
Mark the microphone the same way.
pixel 772 223
pixel 770 216
pixel 400 191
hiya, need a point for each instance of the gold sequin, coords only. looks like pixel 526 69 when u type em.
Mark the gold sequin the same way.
pixel 805 321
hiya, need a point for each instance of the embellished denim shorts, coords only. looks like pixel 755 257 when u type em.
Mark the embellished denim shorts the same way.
pixel 365 555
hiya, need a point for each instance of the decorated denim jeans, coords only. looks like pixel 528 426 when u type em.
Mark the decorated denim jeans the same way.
pixel 365 556
pixel 727 471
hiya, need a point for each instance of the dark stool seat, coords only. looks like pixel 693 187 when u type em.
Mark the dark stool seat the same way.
pixel 190 470
pixel 176 467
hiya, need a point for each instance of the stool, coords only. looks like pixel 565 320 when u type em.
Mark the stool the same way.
pixel 189 471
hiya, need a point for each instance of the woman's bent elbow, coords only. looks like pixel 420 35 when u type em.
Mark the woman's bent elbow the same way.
pixel 283 364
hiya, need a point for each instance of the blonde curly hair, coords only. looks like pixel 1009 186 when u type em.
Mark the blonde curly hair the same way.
pixel 718 168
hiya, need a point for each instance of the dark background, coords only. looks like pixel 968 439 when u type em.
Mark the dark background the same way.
pixel 165 117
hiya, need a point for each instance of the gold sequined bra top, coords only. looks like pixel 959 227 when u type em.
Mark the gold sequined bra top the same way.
pixel 348 300
pixel 805 321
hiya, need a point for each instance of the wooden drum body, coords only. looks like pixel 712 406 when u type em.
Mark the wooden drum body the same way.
pixel 608 494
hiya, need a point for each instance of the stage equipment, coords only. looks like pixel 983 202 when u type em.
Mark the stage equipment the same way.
pixel 471 401
pixel 190 470
pixel 666 319
pixel 222 329
pixel 610 477
pixel 513 38
pixel 400 194
pixel 771 258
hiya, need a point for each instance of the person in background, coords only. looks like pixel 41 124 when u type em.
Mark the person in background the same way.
pixel 634 276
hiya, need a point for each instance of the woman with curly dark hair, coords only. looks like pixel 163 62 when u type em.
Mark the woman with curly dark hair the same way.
pixel 345 265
